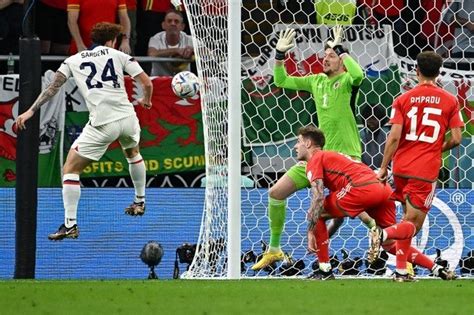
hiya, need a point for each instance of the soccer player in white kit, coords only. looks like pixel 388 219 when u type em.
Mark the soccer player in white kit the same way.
pixel 99 75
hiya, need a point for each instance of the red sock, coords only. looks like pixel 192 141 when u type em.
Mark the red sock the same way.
pixel 414 256
pixel 401 231
pixel 418 258
pixel 322 241
pixel 402 253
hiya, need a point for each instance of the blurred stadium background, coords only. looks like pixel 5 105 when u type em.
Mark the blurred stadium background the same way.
pixel 173 145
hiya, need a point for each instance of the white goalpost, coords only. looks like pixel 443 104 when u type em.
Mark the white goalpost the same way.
pixel 250 128
pixel 215 26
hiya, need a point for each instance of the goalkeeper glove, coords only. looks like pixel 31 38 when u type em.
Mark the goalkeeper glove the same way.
pixel 285 43
pixel 335 44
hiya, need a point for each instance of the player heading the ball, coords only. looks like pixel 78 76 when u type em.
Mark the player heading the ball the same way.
pixel 99 75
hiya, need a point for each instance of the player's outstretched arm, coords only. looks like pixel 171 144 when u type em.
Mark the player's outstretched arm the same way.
pixel 353 68
pixel 147 88
pixel 45 95
pixel 285 43
pixel 280 77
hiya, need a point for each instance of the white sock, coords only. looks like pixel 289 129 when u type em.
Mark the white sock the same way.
pixel 71 195
pixel 136 167
pixel 401 271
pixel 326 267
pixel 435 269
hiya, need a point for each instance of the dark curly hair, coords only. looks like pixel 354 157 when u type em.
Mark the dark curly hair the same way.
pixel 313 133
pixel 103 32
pixel 429 63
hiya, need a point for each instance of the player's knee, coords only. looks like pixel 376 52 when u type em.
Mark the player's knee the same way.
pixel 276 194
pixel 416 220
pixel 131 153
pixel 69 168
pixel 418 225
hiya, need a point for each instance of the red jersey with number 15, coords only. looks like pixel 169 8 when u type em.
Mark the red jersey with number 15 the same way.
pixel 426 113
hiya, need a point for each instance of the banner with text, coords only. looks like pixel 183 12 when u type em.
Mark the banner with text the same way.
pixel 171 139
pixel 51 128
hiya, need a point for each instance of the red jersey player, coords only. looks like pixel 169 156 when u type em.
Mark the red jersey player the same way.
pixel 354 191
pixel 420 118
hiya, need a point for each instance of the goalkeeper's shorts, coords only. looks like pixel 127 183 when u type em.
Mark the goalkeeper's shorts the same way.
pixel 297 173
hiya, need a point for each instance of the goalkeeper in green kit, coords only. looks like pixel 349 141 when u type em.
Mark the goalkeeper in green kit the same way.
pixel 335 94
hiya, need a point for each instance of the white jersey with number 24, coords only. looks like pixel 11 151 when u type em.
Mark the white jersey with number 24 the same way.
pixel 99 75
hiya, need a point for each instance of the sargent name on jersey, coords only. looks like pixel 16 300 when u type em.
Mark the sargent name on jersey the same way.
pixel 98 53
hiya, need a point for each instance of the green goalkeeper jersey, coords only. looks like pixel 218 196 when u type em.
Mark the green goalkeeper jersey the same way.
pixel 335 101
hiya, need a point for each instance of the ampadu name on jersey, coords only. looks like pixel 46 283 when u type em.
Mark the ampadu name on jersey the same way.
pixel 98 53
pixel 425 99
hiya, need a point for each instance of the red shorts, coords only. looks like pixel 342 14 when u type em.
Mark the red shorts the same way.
pixel 419 193
pixel 373 199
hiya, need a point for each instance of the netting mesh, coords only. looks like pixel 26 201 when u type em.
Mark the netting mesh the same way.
pixel 209 27
pixel 385 45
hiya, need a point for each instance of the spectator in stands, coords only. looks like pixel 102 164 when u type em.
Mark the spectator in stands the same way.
pixel 54 35
pixel 84 14
pixel 373 135
pixel 132 16
pixel 461 13
pixel 171 42
pixel 6 3
pixel 11 12
pixel 150 15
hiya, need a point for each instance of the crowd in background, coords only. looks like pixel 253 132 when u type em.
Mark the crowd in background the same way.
pixel 417 24
pixel 69 23
pixel 155 28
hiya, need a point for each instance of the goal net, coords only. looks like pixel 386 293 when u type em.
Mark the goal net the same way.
pixel 385 46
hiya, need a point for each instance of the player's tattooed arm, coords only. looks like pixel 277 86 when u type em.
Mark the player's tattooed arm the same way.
pixel 46 95
pixel 50 91
pixel 316 207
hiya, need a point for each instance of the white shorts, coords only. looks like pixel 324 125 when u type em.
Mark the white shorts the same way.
pixel 94 141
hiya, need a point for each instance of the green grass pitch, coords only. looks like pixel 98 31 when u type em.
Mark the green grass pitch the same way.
pixel 295 296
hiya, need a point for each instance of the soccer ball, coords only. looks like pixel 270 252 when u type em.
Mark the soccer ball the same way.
pixel 185 84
